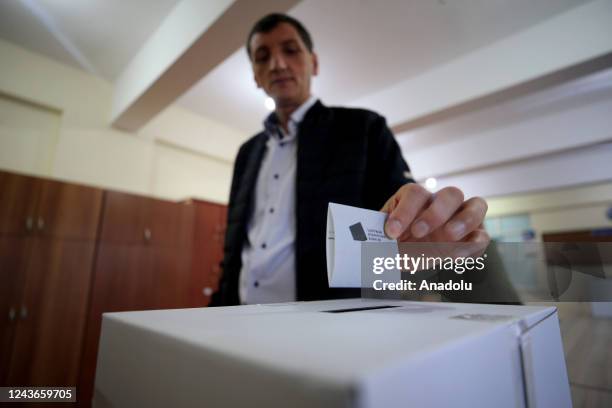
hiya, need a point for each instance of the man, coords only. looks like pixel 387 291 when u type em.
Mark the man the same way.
pixel 310 155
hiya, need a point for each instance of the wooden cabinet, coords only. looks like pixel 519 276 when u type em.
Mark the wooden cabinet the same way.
pixel 13 259
pixel 146 260
pixel 69 253
pixel 125 219
pixel 143 262
pixel 47 245
pixel 18 203
pixel 137 220
pixel 172 267
pixel 46 208
pixel 594 235
pixel 209 235
pixel 52 314
pixel 68 211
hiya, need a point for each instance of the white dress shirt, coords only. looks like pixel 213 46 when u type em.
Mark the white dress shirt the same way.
pixel 268 256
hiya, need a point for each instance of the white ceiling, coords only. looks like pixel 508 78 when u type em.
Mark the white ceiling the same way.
pixel 564 97
pixel 567 117
pixel 393 43
pixel 99 36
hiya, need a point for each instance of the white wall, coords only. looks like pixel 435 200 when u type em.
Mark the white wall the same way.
pixel 569 209
pixel 177 155
pixel 28 136
pixel 181 173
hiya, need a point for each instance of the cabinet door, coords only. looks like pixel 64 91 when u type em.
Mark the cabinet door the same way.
pixel 125 218
pixel 171 224
pixel 207 252
pixel 52 316
pixel 173 277
pixel 131 219
pixel 13 259
pixel 68 211
pixel 218 250
pixel 18 203
pixel 124 280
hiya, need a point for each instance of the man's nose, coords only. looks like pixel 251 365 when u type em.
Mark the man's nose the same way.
pixel 277 61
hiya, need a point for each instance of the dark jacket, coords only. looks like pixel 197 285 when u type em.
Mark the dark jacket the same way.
pixel 346 156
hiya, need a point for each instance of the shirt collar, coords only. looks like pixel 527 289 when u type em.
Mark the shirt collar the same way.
pixel 300 112
pixel 271 122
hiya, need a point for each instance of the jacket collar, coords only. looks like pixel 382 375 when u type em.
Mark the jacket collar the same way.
pixel 271 126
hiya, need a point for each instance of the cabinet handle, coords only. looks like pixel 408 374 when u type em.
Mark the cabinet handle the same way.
pixel 29 224
pixel 23 313
pixel 41 223
pixel 207 291
pixel 12 314
pixel 147 234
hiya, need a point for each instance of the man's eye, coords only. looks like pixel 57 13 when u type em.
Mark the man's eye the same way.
pixel 262 55
pixel 291 50
pixel 261 58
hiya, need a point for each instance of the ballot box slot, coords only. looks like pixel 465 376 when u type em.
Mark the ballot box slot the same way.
pixel 359 309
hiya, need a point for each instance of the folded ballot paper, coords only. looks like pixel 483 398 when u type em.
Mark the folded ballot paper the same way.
pixel 347 228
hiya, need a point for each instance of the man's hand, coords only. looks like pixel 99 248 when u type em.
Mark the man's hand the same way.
pixel 416 215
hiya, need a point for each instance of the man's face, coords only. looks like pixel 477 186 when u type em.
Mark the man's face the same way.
pixel 282 65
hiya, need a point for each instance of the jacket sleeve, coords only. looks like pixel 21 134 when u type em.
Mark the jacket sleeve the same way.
pixel 219 298
pixel 387 169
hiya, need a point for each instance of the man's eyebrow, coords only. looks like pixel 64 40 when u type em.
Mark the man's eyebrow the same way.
pixel 291 41
pixel 263 47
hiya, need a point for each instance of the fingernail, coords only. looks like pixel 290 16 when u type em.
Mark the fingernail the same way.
pixel 394 229
pixel 420 229
pixel 456 229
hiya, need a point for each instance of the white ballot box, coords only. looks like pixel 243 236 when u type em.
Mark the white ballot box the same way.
pixel 342 353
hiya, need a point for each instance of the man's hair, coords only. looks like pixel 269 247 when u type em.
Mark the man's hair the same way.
pixel 269 22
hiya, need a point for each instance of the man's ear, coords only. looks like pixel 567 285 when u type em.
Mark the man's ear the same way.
pixel 315 64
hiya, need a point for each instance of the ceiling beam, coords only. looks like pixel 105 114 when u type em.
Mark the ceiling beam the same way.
pixel 194 38
pixel 587 165
pixel 567 123
pixel 570 39
pixel 531 86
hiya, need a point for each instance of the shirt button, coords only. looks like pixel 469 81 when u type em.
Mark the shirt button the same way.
pixel 276 176
pixel 271 210
pixel 264 246
pixel 256 284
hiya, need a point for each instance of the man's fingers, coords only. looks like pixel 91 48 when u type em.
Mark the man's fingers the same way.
pixel 475 243
pixel 466 220
pixel 445 203
pixel 390 204
pixel 414 215
pixel 409 200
